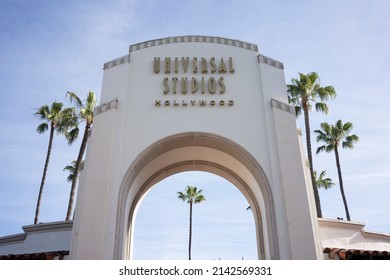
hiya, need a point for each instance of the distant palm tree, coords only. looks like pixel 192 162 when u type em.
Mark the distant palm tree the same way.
pixel 333 136
pixel 322 182
pixel 302 93
pixel 59 120
pixel 71 169
pixel 85 113
pixel 192 196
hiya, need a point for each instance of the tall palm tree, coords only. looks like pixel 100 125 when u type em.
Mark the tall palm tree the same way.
pixel 59 120
pixel 192 196
pixel 333 136
pixel 322 182
pixel 85 113
pixel 302 93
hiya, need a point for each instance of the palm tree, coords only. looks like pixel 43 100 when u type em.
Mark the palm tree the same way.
pixel 322 182
pixel 192 196
pixel 302 93
pixel 333 136
pixel 85 113
pixel 59 120
pixel 70 168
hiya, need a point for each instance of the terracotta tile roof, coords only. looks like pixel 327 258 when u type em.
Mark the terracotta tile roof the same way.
pixel 55 255
pixel 356 254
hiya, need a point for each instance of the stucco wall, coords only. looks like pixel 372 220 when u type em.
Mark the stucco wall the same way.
pixel 39 238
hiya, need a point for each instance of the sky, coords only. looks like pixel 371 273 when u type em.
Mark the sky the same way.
pixel 50 47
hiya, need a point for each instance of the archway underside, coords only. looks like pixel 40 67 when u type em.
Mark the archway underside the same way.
pixel 197 152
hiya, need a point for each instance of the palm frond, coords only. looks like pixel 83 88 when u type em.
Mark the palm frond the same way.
pixel 72 135
pixel 42 112
pixel 71 169
pixel 191 195
pixel 74 99
pixel 322 182
pixel 349 142
pixel 322 107
pixel 320 149
pixel 42 128
pixel 333 135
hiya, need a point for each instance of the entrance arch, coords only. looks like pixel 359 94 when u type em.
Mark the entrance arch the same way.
pixel 194 103
pixel 196 151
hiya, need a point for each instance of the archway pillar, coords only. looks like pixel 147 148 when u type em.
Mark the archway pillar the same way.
pixel 298 194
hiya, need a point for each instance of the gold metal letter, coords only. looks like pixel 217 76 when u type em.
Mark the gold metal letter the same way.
pixel 203 65
pixel 176 65
pixel 222 67
pixel 194 67
pixel 194 85
pixel 184 85
pixel 185 62
pixel 174 80
pixel 231 65
pixel 166 86
pixel 213 65
pixel 222 85
pixel 167 65
pixel 156 65
pixel 212 85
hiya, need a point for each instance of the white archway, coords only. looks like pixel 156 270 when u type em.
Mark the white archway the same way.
pixel 202 152
pixel 144 132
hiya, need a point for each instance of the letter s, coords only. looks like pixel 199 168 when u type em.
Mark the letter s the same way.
pixel 166 86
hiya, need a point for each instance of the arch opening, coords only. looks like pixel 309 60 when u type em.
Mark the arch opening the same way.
pixel 222 228
pixel 194 151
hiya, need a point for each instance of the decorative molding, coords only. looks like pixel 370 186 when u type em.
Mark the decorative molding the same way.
pixel 376 235
pixel 282 106
pixel 272 62
pixel 340 224
pixel 116 62
pixel 105 107
pixel 193 39
pixel 48 227
pixel 15 238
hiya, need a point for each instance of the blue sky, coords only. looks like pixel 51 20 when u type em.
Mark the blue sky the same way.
pixel 50 47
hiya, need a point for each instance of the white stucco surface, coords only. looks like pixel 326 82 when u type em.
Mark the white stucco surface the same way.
pixel 351 235
pixel 47 237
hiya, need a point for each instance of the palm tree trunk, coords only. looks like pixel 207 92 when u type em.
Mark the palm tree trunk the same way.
pixel 44 174
pixel 190 237
pixel 336 152
pixel 309 155
pixel 77 171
